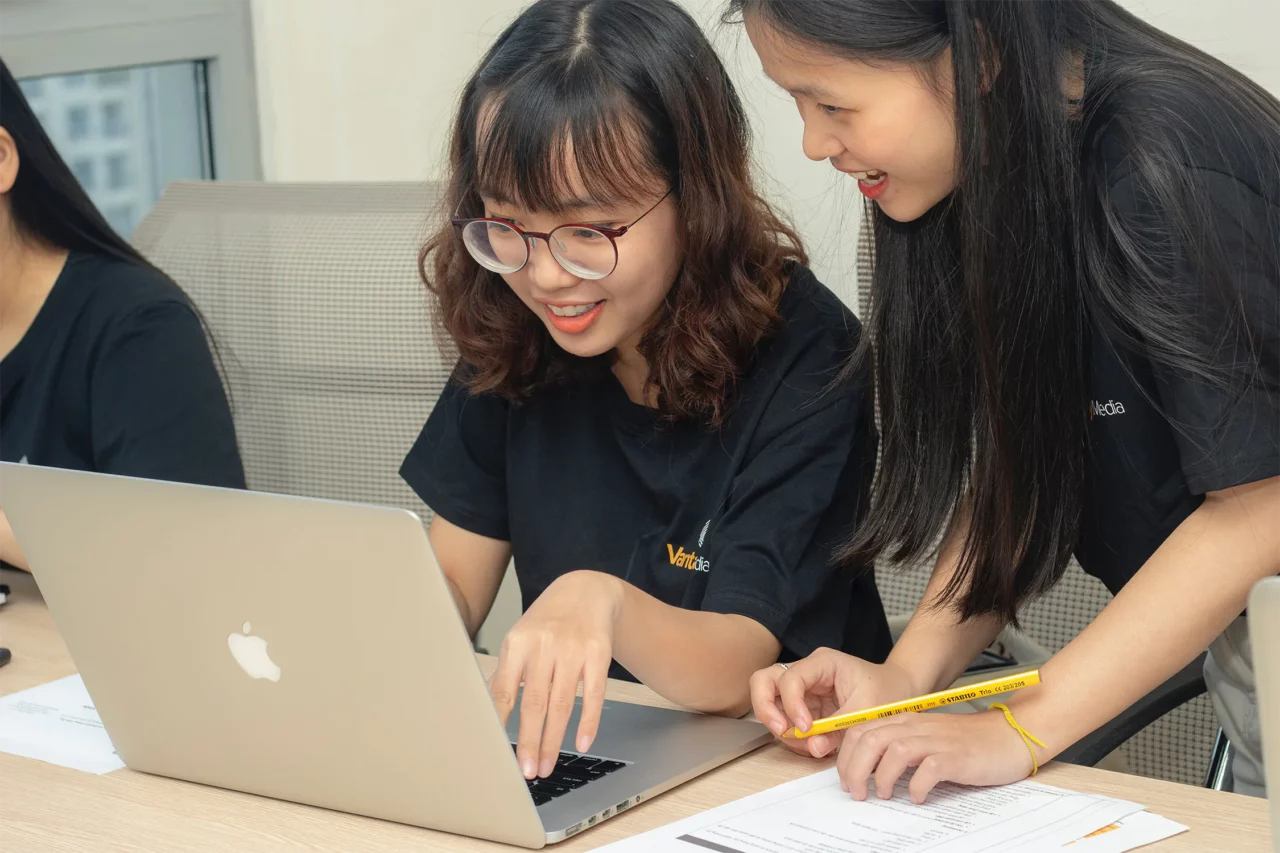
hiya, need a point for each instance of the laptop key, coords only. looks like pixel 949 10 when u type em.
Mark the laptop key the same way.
pixel 551 789
pixel 539 799
pixel 567 780
pixel 582 762
pixel 609 766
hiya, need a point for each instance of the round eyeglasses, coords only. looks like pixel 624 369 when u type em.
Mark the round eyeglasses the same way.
pixel 586 251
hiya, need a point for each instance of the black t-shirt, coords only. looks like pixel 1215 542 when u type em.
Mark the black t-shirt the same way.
pixel 1160 438
pixel 742 520
pixel 115 375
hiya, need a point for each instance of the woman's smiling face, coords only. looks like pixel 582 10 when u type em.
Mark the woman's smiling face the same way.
pixel 882 124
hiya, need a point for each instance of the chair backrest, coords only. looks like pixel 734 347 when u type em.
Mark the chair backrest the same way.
pixel 312 296
pixel 1177 746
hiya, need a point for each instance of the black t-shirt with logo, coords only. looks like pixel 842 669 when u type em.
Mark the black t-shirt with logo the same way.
pixel 741 520
pixel 115 375
pixel 1160 438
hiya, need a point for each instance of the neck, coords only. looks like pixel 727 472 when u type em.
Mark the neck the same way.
pixel 28 271
pixel 1073 83
pixel 21 262
pixel 633 372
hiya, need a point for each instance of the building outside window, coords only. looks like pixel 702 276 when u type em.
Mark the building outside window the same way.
pixel 151 127
pixel 136 94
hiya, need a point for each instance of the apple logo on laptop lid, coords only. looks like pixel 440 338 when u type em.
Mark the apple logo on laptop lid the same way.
pixel 251 653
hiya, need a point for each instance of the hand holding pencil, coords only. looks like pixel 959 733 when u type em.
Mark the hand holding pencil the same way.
pixel 967 693
pixel 879 740
pixel 825 683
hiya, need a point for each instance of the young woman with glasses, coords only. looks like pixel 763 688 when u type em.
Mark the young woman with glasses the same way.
pixel 649 411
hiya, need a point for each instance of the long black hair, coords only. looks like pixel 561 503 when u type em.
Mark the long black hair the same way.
pixel 48 206
pixel 47 203
pixel 983 307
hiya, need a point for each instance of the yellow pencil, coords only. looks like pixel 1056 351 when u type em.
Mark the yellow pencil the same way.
pixel 921 703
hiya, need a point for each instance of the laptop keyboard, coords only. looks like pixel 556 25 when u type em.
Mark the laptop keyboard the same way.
pixel 572 772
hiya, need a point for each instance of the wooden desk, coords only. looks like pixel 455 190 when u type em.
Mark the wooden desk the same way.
pixel 48 808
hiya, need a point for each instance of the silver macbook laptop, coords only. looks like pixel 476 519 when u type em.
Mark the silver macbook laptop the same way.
pixel 1264 640
pixel 310 650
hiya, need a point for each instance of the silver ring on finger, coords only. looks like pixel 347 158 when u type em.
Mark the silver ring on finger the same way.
pixel 784 666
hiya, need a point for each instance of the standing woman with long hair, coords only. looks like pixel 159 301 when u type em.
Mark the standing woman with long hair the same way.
pixel 104 364
pixel 1074 342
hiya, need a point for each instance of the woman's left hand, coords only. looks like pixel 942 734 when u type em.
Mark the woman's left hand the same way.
pixel 971 749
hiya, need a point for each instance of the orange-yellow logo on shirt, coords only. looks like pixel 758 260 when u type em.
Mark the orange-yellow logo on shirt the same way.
pixel 687 559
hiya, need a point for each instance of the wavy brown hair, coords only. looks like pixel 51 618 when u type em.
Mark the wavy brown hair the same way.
pixel 623 96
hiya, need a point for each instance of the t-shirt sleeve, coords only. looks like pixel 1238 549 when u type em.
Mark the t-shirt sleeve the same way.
pixel 1227 428
pixel 795 498
pixel 458 464
pixel 157 405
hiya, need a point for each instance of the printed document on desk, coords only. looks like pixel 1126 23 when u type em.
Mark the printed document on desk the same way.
pixel 812 815
pixel 57 723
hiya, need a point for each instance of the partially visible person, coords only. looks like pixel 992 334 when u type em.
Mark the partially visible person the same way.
pixel 1076 345
pixel 649 413
pixel 104 364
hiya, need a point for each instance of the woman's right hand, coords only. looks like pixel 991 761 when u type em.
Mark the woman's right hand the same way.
pixel 825 683
pixel 564 639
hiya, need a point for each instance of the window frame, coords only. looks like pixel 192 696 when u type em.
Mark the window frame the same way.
pixel 46 37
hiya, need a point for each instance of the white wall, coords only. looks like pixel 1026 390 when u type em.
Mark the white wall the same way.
pixel 1243 33
pixel 365 89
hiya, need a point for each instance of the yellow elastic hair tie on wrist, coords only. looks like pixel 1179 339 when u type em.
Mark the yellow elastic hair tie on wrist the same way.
pixel 1027 737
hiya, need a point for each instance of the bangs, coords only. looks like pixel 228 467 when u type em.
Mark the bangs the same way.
pixel 560 139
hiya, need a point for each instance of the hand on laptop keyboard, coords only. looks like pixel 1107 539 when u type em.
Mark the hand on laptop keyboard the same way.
pixel 572 772
pixel 564 639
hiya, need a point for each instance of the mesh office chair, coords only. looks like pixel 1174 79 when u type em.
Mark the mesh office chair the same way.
pixel 312 294
pixel 1170 734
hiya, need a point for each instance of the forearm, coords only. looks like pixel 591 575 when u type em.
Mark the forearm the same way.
pixel 702 661
pixel 1186 594
pixel 936 647
pixel 9 550
pixel 464 609
pixel 473 565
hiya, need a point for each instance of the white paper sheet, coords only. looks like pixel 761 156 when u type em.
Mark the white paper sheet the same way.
pixel 57 723
pixel 1136 830
pixel 812 815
